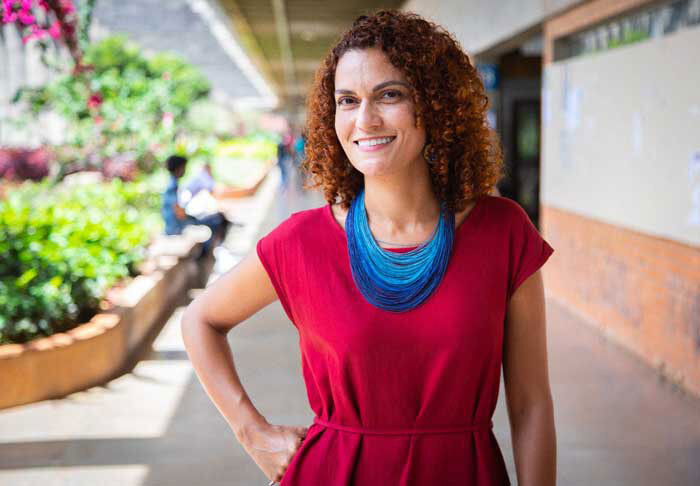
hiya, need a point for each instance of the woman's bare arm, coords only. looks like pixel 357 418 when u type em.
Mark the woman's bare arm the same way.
pixel 233 298
pixel 528 395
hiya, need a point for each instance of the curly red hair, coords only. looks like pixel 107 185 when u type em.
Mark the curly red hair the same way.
pixel 463 154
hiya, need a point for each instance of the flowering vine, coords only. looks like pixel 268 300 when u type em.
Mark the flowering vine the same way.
pixel 61 23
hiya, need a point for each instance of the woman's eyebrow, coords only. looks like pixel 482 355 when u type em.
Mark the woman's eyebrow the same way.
pixel 376 88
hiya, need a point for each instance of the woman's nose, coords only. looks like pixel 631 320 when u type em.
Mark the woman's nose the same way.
pixel 367 116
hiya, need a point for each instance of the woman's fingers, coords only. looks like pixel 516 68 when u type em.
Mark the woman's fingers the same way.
pixel 298 435
pixel 300 432
pixel 274 449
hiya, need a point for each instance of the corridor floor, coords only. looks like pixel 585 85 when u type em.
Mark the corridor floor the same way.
pixel 617 423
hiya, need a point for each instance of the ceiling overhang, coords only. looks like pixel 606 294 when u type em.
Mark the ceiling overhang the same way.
pixel 287 39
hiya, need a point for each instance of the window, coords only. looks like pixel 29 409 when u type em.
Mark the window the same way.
pixel 630 28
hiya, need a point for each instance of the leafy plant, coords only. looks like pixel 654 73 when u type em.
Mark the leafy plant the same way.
pixel 131 106
pixel 628 37
pixel 63 247
pixel 259 146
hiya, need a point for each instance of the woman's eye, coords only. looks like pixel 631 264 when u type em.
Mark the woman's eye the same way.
pixel 393 94
pixel 345 101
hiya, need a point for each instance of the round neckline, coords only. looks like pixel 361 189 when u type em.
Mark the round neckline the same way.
pixel 339 229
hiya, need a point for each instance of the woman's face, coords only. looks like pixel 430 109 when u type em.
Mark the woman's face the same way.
pixel 375 116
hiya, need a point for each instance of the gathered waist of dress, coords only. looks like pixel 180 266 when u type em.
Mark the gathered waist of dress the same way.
pixel 405 431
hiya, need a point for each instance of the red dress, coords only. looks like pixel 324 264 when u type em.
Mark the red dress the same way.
pixel 401 399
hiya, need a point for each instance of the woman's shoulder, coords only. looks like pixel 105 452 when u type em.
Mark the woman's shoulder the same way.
pixel 301 223
pixel 503 209
pixel 307 217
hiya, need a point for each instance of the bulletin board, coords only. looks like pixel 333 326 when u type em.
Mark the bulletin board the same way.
pixel 621 136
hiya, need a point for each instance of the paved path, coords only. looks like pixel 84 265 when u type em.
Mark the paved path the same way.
pixel 617 424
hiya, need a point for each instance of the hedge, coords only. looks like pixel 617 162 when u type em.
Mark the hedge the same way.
pixel 63 247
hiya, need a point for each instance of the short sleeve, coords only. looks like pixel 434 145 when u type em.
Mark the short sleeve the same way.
pixel 528 250
pixel 274 251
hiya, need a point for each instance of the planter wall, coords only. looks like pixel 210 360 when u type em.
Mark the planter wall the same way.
pixel 111 343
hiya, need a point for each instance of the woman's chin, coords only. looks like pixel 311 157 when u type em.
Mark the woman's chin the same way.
pixel 378 168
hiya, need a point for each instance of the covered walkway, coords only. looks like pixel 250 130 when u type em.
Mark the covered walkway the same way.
pixel 616 423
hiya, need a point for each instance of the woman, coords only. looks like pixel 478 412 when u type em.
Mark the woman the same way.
pixel 409 289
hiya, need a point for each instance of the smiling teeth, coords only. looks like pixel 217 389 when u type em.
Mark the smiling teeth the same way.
pixel 374 141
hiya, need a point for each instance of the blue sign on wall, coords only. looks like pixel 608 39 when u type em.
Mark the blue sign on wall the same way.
pixel 489 75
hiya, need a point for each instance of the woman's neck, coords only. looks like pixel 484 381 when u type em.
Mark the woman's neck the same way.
pixel 402 205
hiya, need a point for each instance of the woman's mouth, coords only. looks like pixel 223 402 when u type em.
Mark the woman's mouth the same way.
pixel 373 144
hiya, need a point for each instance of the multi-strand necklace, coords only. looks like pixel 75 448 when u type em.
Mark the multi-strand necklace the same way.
pixel 393 281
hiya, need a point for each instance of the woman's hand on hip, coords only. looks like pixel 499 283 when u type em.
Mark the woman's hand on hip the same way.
pixel 272 447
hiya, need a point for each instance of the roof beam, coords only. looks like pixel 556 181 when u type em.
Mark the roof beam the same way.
pixel 301 65
pixel 304 27
pixel 241 29
pixel 282 28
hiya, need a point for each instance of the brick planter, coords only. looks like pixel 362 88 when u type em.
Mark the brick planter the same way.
pixel 112 342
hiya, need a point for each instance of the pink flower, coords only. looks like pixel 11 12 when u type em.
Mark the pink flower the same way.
pixel 37 33
pixel 12 12
pixel 55 30
pixel 94 101
pixel 167 119
pixel 8 15
pixel 26 18
pixel 67 6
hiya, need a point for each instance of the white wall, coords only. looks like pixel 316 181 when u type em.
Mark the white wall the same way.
pixel 480 24
pixel 20 65
pixel 621 136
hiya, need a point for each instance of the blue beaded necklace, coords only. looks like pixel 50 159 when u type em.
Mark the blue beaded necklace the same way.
pixel 392 281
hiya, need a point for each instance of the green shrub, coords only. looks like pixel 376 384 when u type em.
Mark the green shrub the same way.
pixel 260 146
pixel 240 162
pixel 129 103
pixel 63 247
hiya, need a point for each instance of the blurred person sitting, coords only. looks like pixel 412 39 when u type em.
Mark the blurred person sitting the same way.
pixel 203 181
pixel 197 196
pixel 177 211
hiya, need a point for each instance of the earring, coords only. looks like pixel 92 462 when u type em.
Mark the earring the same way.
pixel 427 155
